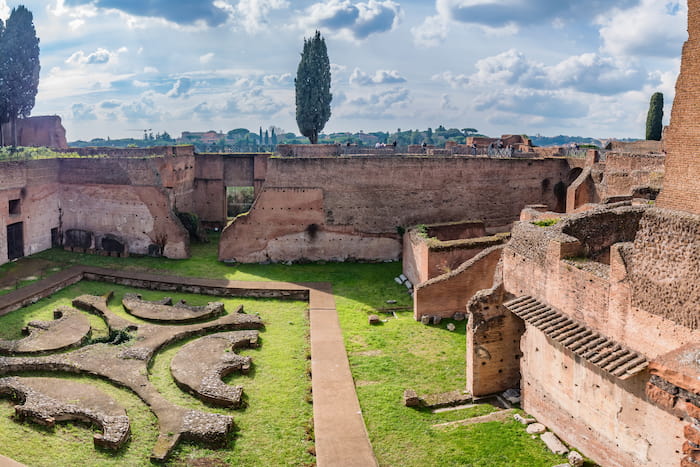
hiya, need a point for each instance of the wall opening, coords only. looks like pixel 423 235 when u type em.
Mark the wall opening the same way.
pixel 14 207
pixel 15 240
pixel 239 199
pixel 55 238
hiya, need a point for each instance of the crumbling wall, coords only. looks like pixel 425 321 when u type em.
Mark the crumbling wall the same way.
pixel 46 131
pixel 139 215
pixel 681 189
pixel 493 339
pixel 309 150
pixel 33 184
pixel 637 147
pixel 449 293
pixel 370 197
pixel 628 174
pixel 663 266
pixel 608 419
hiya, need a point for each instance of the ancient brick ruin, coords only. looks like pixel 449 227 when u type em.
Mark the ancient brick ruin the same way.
pixel 198 368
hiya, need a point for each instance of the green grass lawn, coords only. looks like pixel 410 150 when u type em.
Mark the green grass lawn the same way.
pixel 386 359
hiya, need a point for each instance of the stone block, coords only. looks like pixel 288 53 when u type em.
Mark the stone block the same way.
pixel 692 410
pixel 692 433
pixel 690 448
pixel 374 319
pixel 660 397
pixel 523 420
pixel 575 459
pixel 689 462
pixel 451 327
pixel 411 399
pixel 553 443
pixel 459 317
pixel 425 319
pixel 437 319
pixel 535 429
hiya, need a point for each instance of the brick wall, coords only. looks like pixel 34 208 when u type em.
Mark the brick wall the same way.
pixel 682 181
pixel 609 420
pixel 369 197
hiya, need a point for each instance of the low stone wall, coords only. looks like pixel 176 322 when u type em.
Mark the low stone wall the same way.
pixel 309 150
pixel 445 295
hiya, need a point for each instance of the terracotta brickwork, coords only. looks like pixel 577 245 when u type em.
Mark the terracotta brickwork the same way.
pixel 449 293
pixel 682 185
pixel 131 198
pixel 368 198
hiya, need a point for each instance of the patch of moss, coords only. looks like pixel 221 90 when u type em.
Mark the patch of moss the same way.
pixel 545 222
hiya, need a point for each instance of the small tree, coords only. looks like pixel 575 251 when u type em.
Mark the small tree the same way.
pixel 655 117
pixel 19 68
pixel 313 88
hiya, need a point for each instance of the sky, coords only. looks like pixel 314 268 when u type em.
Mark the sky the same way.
pixel 575 67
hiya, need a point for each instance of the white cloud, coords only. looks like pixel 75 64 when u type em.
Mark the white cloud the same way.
pixel 652 28
pixel 144 108
pixel 83 112
pixel 100 56
pixel 353 21
pixel 206 58
pixel 181 88
pixel 360 78
pixel 284 80
pixel 432 32
pixel 253 14
pixel 549 104
pixel 380 105
pixel 589 73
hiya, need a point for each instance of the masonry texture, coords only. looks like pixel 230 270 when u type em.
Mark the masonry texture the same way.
pixel 351 207
pixel 682 187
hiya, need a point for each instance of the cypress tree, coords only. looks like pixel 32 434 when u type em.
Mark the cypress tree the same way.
pixel 313 88
pixel 273 138
pixel 19 67
pixel 655 117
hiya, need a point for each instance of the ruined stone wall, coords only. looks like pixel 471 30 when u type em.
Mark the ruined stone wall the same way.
pixel 367 197
pixel 130 198
pixel 46 131
pixel 287 224
pixel 637 147
pixel 33 183
pixel 664 266
pixel 133 153
pixel 608 419
pixel 493 342
pixel 682 139
pixel 309 150
pixel 627 174
pixel 415 257
pixel 449 293
pixel 646 298
pixel 139 215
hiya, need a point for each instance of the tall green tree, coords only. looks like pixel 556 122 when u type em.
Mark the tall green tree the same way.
pixel 655 117
pixel 19 68
pixel 313 88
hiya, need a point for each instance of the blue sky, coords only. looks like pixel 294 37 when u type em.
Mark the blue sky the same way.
pixel 114 67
